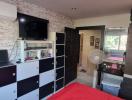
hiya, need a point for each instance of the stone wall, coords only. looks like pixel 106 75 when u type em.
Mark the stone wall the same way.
pixel 9 31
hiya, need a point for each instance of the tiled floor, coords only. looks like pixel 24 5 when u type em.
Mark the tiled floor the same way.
pixel 83 77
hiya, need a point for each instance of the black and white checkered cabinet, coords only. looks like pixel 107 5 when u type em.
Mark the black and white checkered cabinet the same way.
pixel 34 80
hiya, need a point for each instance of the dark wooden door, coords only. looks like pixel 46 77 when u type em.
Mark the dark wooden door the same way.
pixel 72 47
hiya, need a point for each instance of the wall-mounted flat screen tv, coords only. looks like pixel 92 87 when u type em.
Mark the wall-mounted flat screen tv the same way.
pixel 32 28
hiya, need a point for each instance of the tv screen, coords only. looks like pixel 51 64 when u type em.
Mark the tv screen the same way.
pixel 32 28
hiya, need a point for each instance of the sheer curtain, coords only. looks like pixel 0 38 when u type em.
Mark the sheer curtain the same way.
pixel 115 41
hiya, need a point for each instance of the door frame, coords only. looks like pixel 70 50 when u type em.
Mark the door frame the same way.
pixel 102 28
pixel 99 27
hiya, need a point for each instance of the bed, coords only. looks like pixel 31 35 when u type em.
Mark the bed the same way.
pixel 78 91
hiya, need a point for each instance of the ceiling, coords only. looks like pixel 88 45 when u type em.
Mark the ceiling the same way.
pixel 85 8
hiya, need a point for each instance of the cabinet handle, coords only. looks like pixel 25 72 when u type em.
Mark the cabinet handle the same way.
pixel 52 63
pixel 13 74
pixel 37 67
pixel 14 91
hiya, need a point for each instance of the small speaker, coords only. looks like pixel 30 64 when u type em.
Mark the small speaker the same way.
pixel 4 57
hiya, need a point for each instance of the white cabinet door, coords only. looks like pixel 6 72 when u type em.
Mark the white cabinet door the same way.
pixel 26 70
pixel 8 92
pixel 46 77
pixel 34 95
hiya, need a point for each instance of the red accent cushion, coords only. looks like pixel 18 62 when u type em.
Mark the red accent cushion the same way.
pixel 78 91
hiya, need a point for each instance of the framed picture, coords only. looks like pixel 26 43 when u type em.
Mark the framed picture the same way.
pixel 91 40
pixel 97 43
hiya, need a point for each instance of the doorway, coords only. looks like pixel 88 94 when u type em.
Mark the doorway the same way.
pixel 91 38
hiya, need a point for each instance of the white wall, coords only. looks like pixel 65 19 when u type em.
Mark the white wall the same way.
pixel 120 20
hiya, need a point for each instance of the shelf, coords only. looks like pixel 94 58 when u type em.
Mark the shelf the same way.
pixel 60 67
pixel 60 44
pixel 35 49
pixel 59 78
pixel 60 56
pixel 28 41
pixel 38 59
pixel 38 49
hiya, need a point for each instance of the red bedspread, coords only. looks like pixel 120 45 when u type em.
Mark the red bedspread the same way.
pixel 77 91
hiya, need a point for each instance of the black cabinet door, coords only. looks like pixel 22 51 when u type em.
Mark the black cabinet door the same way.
pixel 60 73
pixel 46 65
pixel 46 90
pixel 59 50
pixel 60 37
pixel 59 84
pixel 7 75
pixel 27 85
pixel 59 62
pixel 72 48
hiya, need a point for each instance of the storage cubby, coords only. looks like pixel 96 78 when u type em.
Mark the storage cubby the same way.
pixel 59 40
pixel 31 50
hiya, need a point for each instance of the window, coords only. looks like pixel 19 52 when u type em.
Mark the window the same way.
pixel 123 42
pixel 115 41
pixel 111 42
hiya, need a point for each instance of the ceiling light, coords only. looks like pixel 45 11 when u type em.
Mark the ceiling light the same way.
pixel 74 9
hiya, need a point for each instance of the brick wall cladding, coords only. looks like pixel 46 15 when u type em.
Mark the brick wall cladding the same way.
pixel 9 31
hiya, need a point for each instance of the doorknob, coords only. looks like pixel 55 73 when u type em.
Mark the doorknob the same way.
pixel 13 74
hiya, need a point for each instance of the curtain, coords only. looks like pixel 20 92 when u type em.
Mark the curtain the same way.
pixel 115 41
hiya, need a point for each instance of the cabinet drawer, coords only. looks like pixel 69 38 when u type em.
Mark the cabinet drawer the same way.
pixel 59 50
pixel 59 62
pixel 46 90
pixel 26 70
pixel 27 85
pixel 7 75
pixel 60 37
pixel 46 77
pixel 9 92
pixel 34 95
pixel 46 65
pixel 60 73
pixel 59 84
